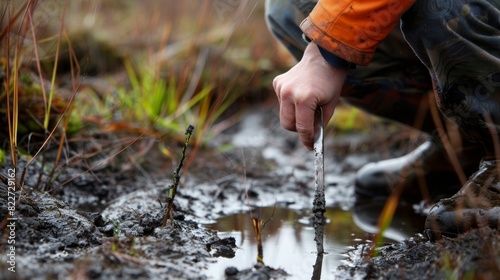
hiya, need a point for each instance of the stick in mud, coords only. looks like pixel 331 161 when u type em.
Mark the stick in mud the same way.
pixel 319 203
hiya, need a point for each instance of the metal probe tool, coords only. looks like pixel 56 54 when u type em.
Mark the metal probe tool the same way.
pixel 319 202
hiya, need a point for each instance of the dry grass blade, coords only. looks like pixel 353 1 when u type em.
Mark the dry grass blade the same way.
pixel 12 20
pixel 103 161
pixel 446 142
pixel 386 216
pixel 257 227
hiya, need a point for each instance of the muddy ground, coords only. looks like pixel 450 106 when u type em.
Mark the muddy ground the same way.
pixel 106 224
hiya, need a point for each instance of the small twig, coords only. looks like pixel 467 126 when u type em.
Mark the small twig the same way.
pixel 177 177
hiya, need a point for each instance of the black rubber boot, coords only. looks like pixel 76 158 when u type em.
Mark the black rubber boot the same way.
pixel 476 205
pixel 426 173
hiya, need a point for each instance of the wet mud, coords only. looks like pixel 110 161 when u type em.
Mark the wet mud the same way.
pixel 107 225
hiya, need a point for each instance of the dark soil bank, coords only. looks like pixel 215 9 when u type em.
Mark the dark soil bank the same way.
pixel 108 225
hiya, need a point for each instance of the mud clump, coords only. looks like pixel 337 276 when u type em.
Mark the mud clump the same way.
pixel 258 272
pixel 56 241
pixel 46 225
pixel 473 255
pixel 124 240
pixel 223 247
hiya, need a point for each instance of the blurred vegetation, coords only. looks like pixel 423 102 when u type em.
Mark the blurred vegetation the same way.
pixel 71 70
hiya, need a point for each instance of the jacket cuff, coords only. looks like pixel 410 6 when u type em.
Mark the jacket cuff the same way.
pixel 335 47
pixel 332 59
pixel 336 61
pixel 352 29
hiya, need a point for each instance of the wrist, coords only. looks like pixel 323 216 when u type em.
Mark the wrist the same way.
pixel 329 57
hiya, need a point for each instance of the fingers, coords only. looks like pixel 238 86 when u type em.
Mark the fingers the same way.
pixel 296 110
pixel 287 105
pixel 304 124
pixel 298 116
pixel 287 112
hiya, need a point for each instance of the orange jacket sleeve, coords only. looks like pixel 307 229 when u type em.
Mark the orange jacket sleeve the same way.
pixel 353 29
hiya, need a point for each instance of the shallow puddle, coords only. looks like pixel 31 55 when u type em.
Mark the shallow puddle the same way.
pixel 288 238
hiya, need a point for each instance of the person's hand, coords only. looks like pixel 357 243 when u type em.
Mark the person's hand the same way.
pixel 310 84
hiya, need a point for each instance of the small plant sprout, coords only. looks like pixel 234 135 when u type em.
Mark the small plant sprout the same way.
pixel 258 225
pixel 176 179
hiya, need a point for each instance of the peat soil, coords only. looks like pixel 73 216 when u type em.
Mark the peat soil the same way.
pixel 107 224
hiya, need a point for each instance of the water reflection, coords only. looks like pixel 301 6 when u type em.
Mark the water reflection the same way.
pixel 288 239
